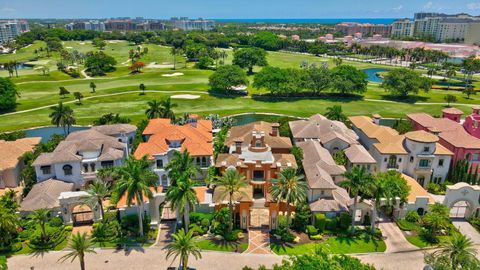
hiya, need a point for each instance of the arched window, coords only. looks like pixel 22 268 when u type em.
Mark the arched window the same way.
pixel 92 166
pixel 67 169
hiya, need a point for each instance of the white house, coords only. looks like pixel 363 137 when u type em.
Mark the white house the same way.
pixel 417 154
pixel 78 158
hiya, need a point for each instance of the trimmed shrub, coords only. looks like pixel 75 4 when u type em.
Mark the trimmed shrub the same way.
pixel 412 216
pixel 331 224
pixel 205 222
pixel 197 217
pixel 197 230
pixel 320 222
pixel 56 222
pixel 316 237
pixel 311 230
pixel 233 236
pixel 345 220
pixel 68 228
pixel 287 236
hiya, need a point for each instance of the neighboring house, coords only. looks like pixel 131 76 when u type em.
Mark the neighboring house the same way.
pixel 472 122
pixel 417 153
pixel 10 160
pixel 452 134
pixel 164 138
pixel 333 136
pixel 123 132
pixel 78 158
pixel 259 153
pixel 45 195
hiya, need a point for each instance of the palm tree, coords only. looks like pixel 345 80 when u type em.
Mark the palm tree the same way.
pixel 79 245
pixel 182 197
pixel 459 249
pixel 93 86
pixel 41 217
pixel 142 87
pixel 62 116
pixel 174 52
pixel 154 109
pixel 290 189
pixel 98 191
pixel 355 182
pixel 336 113
pixel 183 245
pixel 451 72
pixel 231 183
pixel 134 181
pixel 167 106
pixel 181 163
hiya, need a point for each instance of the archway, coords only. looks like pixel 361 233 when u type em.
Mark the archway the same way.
pixel 460 209
pixel 82 214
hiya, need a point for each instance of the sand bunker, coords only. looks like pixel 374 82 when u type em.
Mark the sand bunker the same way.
pixel 155 65
pixel 185 96
pixel 173 74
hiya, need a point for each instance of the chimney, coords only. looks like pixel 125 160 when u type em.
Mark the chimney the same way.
pixel 238 145
pixel 376 119
pixel 275 127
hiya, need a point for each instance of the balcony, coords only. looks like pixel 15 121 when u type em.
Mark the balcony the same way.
pixel 426 169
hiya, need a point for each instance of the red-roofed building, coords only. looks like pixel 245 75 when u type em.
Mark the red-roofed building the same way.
pixel 163 138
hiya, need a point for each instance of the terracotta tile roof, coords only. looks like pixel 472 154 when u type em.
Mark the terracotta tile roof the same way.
pixel 421 136
pixel 442 150
pixel 196 140
pixel 450 131
pixel 11 151
pixel 416 190
pixel 45 195
pixel 452 110
pixel 244 133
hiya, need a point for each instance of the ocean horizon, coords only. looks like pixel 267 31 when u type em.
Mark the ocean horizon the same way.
pixel 312 20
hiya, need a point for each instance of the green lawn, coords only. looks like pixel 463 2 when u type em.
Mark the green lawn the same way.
pixel 419 242
pixel 207 244
pixel 337 245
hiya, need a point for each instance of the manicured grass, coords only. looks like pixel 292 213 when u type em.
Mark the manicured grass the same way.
pixel 337 245
pixel 419 242
pixel 407 226
pixel 207 244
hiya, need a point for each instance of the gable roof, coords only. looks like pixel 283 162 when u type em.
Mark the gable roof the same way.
pixel 416 190
pixel 45 195
pixel 450 131
pixel 11 151
pixel 196 139
pixel 244 133
pixel 356 153
pixel 319 127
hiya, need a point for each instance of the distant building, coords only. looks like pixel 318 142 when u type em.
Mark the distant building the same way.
pixel 187 24
pixel 119 25
pixel 402 28
pixel 9 30
pixel 87 25
pixel 366 29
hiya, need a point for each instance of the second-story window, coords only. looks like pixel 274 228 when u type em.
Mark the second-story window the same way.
pixel 476 157
pixel 159 163
pixel 46 169
pixel 67 169
pixel 424 163
pixel 426 149
pixel 440 162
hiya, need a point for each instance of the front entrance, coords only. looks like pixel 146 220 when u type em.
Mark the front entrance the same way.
pixel 82 215
pixel 459 209
pixel 259 218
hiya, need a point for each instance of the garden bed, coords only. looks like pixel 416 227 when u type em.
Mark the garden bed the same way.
pixel 210 243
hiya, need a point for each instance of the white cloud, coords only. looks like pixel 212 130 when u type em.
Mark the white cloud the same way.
pixel 400 7
pixel 428 5
pixel 473 6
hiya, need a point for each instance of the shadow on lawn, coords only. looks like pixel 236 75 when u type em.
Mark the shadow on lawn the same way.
pixel 405 99
pixel 332 97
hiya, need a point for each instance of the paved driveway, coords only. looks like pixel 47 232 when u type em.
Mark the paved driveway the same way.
pixel 394 238
pixel 466 229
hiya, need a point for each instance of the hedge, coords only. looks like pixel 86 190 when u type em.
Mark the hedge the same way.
pixel 320 222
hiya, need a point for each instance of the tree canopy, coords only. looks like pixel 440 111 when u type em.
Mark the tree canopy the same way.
pixel 8 95
pixel 249 57
pixel 226 77
pixel 98 63
pixel 403 81
pixel 348 80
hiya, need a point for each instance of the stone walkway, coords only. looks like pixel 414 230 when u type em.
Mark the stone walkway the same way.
pixel 258 241
pixel 165 231
pixel 393 236
pixel 82 229
pixel 466 229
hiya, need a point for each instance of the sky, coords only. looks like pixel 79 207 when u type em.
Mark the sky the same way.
pixel 218 9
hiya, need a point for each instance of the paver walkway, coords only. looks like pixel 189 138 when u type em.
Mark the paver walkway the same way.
pixel 82 229
pixel 466 229
pixel 258 241
pixel 393 236
pixel 165 231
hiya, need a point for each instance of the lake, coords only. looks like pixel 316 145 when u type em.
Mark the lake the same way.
pixel 47 132
pixel 244 119
pixel 372 74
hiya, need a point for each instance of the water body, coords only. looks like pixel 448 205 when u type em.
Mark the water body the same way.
pixel 313 21
pixel 47 132
pixel 372 74
pixel 245 119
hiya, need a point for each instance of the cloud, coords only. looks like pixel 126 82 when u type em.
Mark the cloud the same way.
pixel 473 6
pixel 428 5
pixel 400 7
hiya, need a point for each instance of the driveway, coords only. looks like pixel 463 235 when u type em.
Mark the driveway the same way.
pixel 394 238
pixel 466 229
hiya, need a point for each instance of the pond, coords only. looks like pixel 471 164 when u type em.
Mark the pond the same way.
pixel 47 132
pixel 244 119
pixel 372 74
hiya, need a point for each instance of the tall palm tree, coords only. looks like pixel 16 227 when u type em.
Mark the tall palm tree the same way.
pixel 184 245
pixel 183 198
pixel 41 217
pixel 98 191
pixel 62 116
pixel 355 182
pixel 181 163
pixel 174 52
pixel 451 72
pixel 290 189
pixel 134 181
pixel 154 109
pixel 79 244
pixel 336 113
pixel 459 249
pixel 167 107
pixel 231 183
